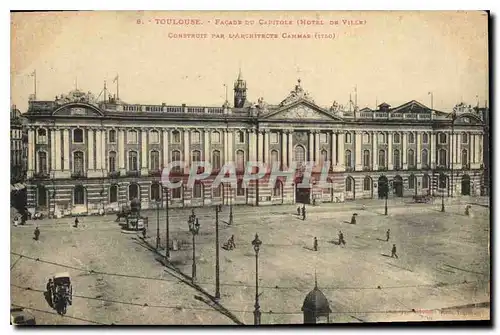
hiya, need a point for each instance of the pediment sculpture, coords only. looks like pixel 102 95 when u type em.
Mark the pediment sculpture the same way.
pixel 336 107
pixel 76 96
pixel 297 94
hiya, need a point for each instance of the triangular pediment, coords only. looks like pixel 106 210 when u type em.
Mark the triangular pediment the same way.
pixel 301 110
pixel 411 107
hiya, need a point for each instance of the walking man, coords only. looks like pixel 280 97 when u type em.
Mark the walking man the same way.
pixel 341 238
pixel 144 232
pixel 393 251
pixel 76 222
pixel 388 234
pixel 298 211
pixel 303 212
pixel 315 244
pixel 37 233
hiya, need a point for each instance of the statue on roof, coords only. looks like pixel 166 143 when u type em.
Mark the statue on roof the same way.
pixel 262 105
pixel 297 94
pixel 462 108
pixel 336 107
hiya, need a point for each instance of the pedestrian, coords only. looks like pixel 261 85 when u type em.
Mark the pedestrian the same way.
pixel 341 238
pixel 388 234
pixel 393 251
pixel 37 233
pixel 298 211
pixel 353 218
pixel 467 210
pixel 16 219
pixel 303 213
pixel 231 243
pixel 315 244
pixel 144 232
pixel 76 222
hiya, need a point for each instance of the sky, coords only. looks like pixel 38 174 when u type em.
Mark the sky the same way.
pixel 391 57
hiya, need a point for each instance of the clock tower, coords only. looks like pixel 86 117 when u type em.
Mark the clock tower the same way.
pixel 240 91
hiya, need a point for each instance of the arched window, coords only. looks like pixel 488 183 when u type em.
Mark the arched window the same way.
pixel 425 181
pixel 216 159
pixel 176 192
pixel 324 156
pixel 79 195
pixel 41 136
pixel 132 137
pixel 215 137
pixel 197 190
pixel 195 137
pixel 465 138
pixel 154 137
pixel 465 157
pixel 349 184
pixel 112 161
pixel 112 136
pixel 396 159
pixel 195 156
pixel 367 184
pixel 425 158
pixel 154 160
pixel 113 194
pixel 442 138
pixel 241 137
pixel 411 157
pixel 411 182
pixel 41 196
pixel 133 192
pixel 442 157
pixel 366 138
pixel 77 135
pixel 176 136
pixel 217 192
pixel 366 158
pixel 381 158
pixel 155 193
pixel 348 138
pixel 176 157
pixel 78 163
pixel 411 138
pixel 240 159
pixel 42 162
pixel 240 190
pixel 277 190
pixel 397 138
pixel 274 158
pixel 381 138
pixel 425 138
pixel 132 161
pixel 299 155
pixel 442 181
pixel 348 158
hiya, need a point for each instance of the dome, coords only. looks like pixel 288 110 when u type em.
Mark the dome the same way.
pixel 316 302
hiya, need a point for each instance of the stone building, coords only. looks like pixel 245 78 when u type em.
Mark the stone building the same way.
pixel 86 154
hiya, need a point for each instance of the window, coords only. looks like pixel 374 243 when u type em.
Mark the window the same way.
pixel 397 138
pixel 195 137
pixel 411 182
pixel 78 164
pixel 216 159
pixel 132 161
pixel 396 159
pixel 442 138
pixel 465 138
pixel 42 136
pixel 366 158
pixel 240 159
pixel 155 193
pixel 196 156
pixel 381 158
pixel 113 194
pixel 240 190
pixel 112 161
pixel 442 181
pixel 348 138
pixel 42 162
pixel 324 156
pixel 154 160
pixel 176 157
pixel 442 157
pixel 349 183
pixel 241 137
pixel 323 138
pixel 366 138
pixel 215 137
pixel 78 135
pixel 112 136
pixel 348 158
pixel 381 138
pixel 411 157
pixel 465 157
pixel 425 181
pixel 425 138
pixel 154 137
pixel 41 193
pixel 133 192
pixel 425 158
pixel 299 155
pixel 277 188
pixel 274 157
pixel 411 138
pixel 176 136
pixel 197 190
pixel 367 184
pixel 79 195
pixel 273 138
pixel 176 192
pixel 132 137
pixel 217 192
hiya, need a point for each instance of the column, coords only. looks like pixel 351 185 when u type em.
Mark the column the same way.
pixel 390 166
pixel 66 149
pixel 266 147
pixel 121 150
pixel 357 149
pixel 374 151
pixel 230 141
pixel 144 151
pixel 458 153
pixel 253 145
pixel 90 149
pixel 58 149
pixel 290 147
pixel 207 157
pixel 316 147
pixel 260 149
pixel 405 151
pixel 283 148
pixel 31 151
pixel 477 157
pixel 418 154
pixel 341 152
pixel 98 148
pixel 480 144
pixel 53 153
pixel 225 141
pixel 310 158
pixel 187 156
pixel 165 147
pixel 103 150
pixel 333 149
pixel 432 152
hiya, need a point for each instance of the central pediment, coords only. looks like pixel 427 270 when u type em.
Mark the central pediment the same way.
pixel 300 111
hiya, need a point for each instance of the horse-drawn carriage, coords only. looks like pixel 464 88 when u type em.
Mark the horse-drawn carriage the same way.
pixel 61 292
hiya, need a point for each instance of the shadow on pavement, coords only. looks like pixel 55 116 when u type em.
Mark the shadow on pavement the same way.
pixel 385 255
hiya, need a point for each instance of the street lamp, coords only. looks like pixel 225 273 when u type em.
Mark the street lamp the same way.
pixel 442 201
pixel 230 205
pixel 217 269
pixel 256 247
pixel 157 224
pixel 167 237
pixel 194 228
pixel 385 209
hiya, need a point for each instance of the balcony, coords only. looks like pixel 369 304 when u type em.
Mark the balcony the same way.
pixel 441 168
pixel 154 173
pixel 41 175
pixel 133 173
pixel 77 174
pixel 114 174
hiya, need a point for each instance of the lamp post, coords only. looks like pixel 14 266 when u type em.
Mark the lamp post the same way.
pixel 217 268
pixel 230 205
pixel 194 228
pixel 167 237
pixel 256 247
pixel 157 224
pixel 442 201
pixel 385 209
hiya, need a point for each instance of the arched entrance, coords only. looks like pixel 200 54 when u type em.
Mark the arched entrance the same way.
pixel 465 184
pixel 398 186
pixel 383 187
pixel 350 188
pixel 302 194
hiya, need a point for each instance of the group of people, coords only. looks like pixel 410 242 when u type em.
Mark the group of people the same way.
pixel 230 245
pixel 302 211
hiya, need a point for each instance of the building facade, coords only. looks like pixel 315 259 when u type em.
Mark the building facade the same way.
pixel 18 147
pixel 84 154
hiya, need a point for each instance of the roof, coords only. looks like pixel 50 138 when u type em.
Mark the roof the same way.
pixel 316 302
pixel 62 274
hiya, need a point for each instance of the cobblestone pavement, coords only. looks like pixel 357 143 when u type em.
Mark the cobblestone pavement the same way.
pixel 443 262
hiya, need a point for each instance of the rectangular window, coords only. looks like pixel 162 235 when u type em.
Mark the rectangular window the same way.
pixel 176 136
pixel 195 137
pixel 323 138
pixel 132 137
pixel 215 137
pixel 154 137
pixel 112 136
pixel 273 138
